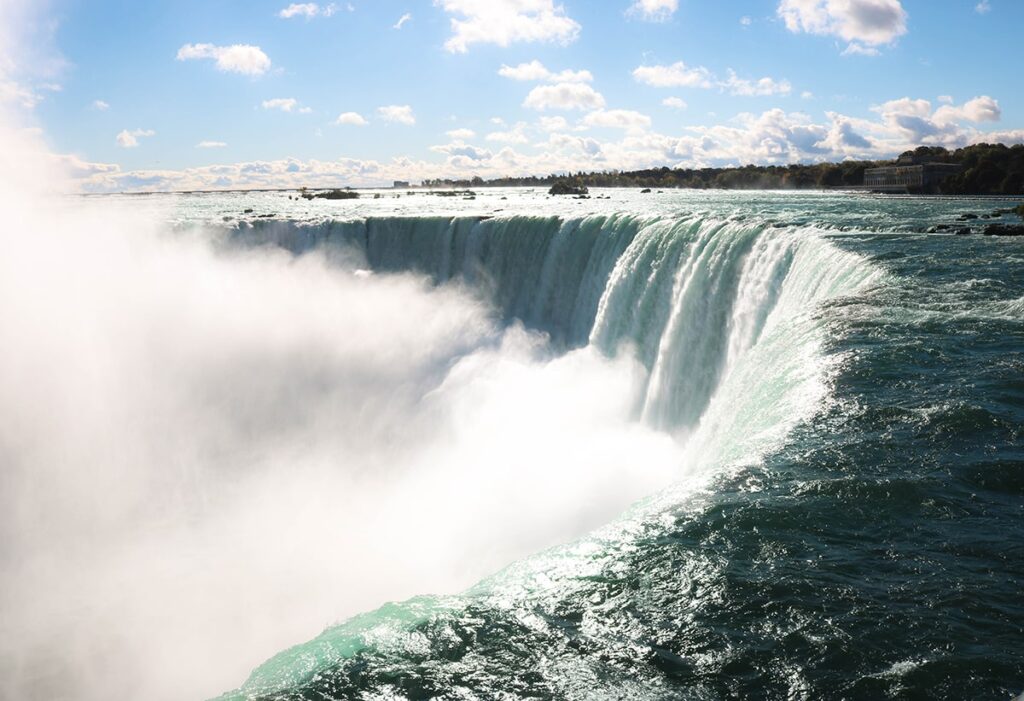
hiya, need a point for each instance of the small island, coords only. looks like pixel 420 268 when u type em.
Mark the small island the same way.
pixel 329 195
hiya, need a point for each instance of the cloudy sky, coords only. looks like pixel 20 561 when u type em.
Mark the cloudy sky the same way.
pixel 188 94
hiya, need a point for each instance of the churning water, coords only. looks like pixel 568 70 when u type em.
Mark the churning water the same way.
pixel 673 445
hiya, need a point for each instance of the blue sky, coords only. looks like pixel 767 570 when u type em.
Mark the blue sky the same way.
pixel 153 96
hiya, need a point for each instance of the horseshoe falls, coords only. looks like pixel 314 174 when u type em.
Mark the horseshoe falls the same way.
pixel 693 445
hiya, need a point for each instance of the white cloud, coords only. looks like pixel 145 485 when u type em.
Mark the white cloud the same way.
pixel 100 105
pixel 401 21
pixel 856 49
pixel 459 149
pixel 980 109
pixel 680 75
pixel 746 21
pixel 285 104
pixel 675 76
pixel 130 139
pixel 238 58
pixel 549 124
pixel 211 144
pixel 504 22
pixel 654 10
pixel 735 85
pixel 400 114
pixel 807 95
pixel 771 137
pixel 309 10
pixel 865 22
pixel 674 103
pixel 535 71
pixel 946 99
pixel 351 119
pixel 913 121
pixel 983 7
pixel 564 96
pixel 516 135
pixel 617 119
pixel 461 134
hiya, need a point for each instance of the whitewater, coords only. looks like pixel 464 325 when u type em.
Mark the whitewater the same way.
pixel 503 445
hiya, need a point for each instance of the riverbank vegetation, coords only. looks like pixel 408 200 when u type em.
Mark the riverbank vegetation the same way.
pixel 988 169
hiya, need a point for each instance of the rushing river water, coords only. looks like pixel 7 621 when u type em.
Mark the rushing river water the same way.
pixel 692 445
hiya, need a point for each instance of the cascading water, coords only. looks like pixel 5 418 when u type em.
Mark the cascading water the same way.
pixel 689 296
pixel 723 317
pixel 215 447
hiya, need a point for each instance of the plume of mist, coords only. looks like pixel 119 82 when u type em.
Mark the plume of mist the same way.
pixel 208 454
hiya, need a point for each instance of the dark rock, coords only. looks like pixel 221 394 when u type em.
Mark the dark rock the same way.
pixel 967 217
pixel 562 187
pixel 247 211
pixel 331 195
pixel 965 231
pixel 1004 230
pixel 646 189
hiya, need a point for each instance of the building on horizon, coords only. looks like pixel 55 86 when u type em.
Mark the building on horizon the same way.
pixel 912 173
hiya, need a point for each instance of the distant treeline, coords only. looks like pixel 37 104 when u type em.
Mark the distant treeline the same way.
pixel 989 169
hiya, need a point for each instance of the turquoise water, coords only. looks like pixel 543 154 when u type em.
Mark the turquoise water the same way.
pixel 847 394
pixel 843 396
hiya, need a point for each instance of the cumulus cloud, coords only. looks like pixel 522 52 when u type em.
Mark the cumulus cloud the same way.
pixel 983 7
pixel 865 23
pixel 284 104
pixel 76 168
pixel 549 124
pixel 617 119
pixel 535 71
pixel 100 105
pixel 674 103
pixel 130 139
pixel 914 121
pixel 211 144
pixel 504 22
pixel 237 58
pixel 399 114
pixel 515 135
pixel 735 85
pixel 774 136
pixel 309 10
pixel 351 119
pixel 677 75
pixel 979 109
pixel 460 149
pixel 856 49
pixel 564 96
pixel 401 21
pixel 654 10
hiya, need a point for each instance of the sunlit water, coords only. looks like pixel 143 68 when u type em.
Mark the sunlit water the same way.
pixel 667 445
